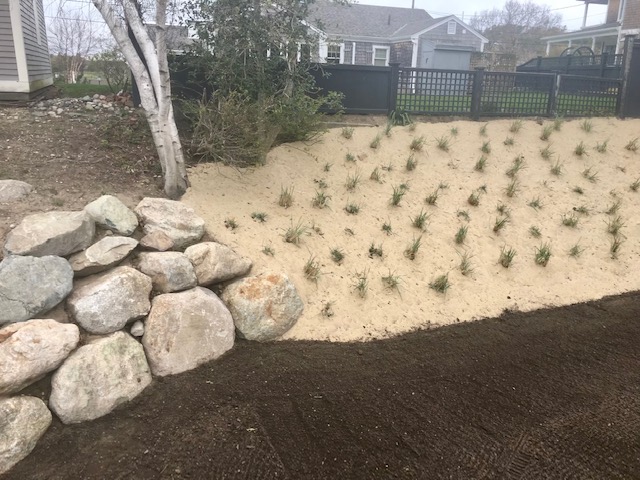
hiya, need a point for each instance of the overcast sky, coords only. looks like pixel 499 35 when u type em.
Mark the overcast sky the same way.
pixel 572 11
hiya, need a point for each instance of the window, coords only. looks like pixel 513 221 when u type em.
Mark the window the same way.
pixel 451 27
pixel 381 56
pixel 333 54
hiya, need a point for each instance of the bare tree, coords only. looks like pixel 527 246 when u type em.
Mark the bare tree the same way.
pixel 517 27
pixel 147 59
pixel 73 38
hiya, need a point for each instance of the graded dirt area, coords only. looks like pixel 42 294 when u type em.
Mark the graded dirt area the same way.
pixel 548 394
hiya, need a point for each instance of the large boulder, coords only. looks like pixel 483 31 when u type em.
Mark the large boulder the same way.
pixel 30 349
pixel 98 377
pixel 179 222
pixel 51 233
pixel 185 330
pixel 215 263
pixel 109 212
pixel 102 255
pixel 107 302
pixel 32 285
pixel 13 190
pixel 23 420
pixel 169 271
pixel 263 307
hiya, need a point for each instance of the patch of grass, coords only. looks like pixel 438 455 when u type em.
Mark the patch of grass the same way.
pixel 259 216
pixel 474 199
pixel 576 250
pixel 602 147
pixel 327 167
pixel 465 264
pixel 635 185
pixel 632 146
pixel 388 167
pixel 396 196
pixel 577 189
pixel 480 164
pixel 361 283
pixel 483 130
pixel 512 188
pixel 582 210
pixel 420 220
pixel 500 223
pixel 412 250
pixel 268 250
pixel 486 147
pixel 503 209
pixel 509 141
pixel 547 130
pixel 616 244
pixel 546 152
pixel 312 270
pixel 461 234
pixel 557 124
pixel 350 157
pixel 321 183
pixel 464 215
pixel 347 132
pixel 614 207
pixel 417 144
pixel 580 150
pixel 411 163
pixel 535 232
pixel 586 125
pixel 517 165
pixel 375 250
pixel 543 254
pixel 320 199
pixel 375 143
pixel 337 255
pixel 391 281
pixel 516 126
pixel 327 310
pixel 535 203
pixel 557 169
pixel 440 284
pixel 386 228
pixel 352 181
pixel 387 129
pixel 507 254
pixel 295 232
pixel 570 220
pixel 614 225
pixel 231 223
pixel 352 208
pixel 432 198
pixel 590 175
pixel 286 197
pixel 57 202
pixel 443 143
pixel 454 131
pixel 375 175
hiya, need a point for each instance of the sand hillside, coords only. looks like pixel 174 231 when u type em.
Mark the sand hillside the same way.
pixel 220 193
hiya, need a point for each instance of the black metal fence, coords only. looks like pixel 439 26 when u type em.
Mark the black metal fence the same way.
pixel 474 93
pixel 603 66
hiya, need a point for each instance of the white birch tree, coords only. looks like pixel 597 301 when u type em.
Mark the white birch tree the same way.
pixel 149 65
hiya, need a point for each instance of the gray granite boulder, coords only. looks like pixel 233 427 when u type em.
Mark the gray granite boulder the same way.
pixel 185 330
pixel 169 271
pixel 263 307
pixel 13 190
pixel 30 286
pixel 175 219
pixel 109 212
pixel 30 349
pixel 102 255
pixel 23 420
pixel 51 233
pixel 215 263
pixel 106 302
pixel 98 377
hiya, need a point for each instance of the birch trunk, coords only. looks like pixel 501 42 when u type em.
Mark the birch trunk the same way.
pixel 151 72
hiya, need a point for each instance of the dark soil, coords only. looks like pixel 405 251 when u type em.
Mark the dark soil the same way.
pixel 549 394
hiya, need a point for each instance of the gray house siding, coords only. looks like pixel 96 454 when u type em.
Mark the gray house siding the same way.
pixel 439 36
pixel 8 65
pixel 364 53
pixel 402 53
pixel 35 40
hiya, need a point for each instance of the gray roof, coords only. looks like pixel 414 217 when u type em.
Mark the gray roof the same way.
pixel 367 20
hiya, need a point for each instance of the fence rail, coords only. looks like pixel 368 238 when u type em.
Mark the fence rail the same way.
pixel 605 65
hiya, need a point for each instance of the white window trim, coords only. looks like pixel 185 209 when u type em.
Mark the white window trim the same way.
pixel 353 53
pixel 380 47
pixel 339 45
pixel 455 27
pixel 621 10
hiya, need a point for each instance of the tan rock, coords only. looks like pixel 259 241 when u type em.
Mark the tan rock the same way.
pixel 215 263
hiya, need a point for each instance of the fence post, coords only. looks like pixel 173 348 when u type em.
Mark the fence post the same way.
pixel 569 57
pixel 476 92
pixel 552 106
pixel 626 67
pixel 539 63
pixel 393 87
pixel 603 64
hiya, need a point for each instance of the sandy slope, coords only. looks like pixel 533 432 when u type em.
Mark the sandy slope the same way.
pixel 221 192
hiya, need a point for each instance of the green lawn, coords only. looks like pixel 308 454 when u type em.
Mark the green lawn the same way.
pixel 82 89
